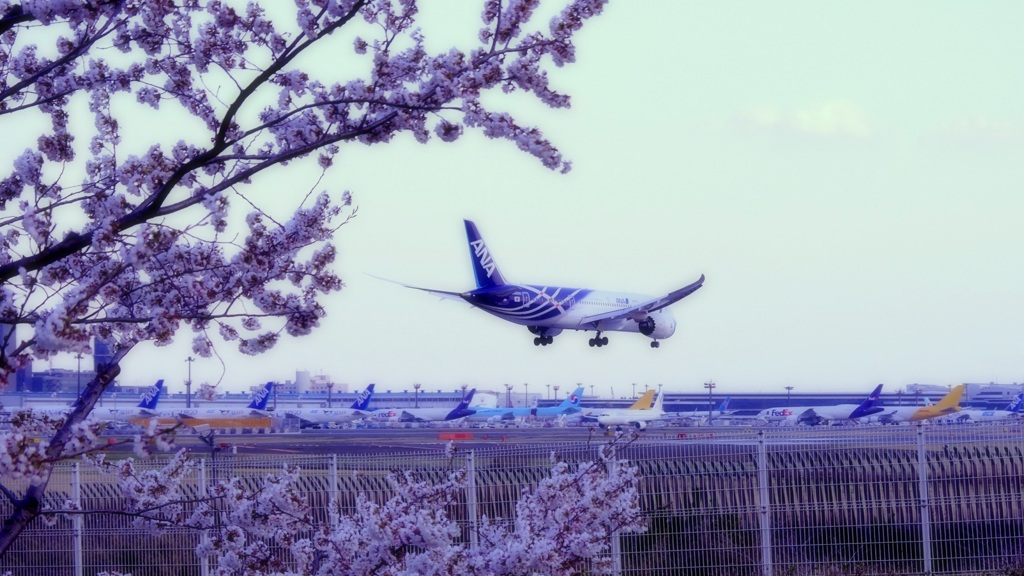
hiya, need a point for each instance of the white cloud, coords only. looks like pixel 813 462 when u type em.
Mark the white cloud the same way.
pixel 831 119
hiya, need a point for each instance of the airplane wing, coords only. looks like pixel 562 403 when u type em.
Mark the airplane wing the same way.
pixel 643 308
pixel 438 293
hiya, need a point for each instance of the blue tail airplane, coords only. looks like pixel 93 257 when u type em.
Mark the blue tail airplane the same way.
pixel 570 405
pixel 547 310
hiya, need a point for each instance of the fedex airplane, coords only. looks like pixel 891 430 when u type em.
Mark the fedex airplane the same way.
pixel 813 415
pixel 424 414
pixel 547 310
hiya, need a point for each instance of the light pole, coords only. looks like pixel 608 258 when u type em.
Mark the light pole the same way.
pixel 634 390
pixel 416 395
pixel 556 391
pixel 508 395
pixel 188 383
pixel 549 391
pixel 710 385
pixel 330 385
pixel 464 386
pixel 789 390
pixel 78 387
pixel 526 393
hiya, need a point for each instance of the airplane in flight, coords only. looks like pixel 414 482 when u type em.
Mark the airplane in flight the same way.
pixel 326 416
pixel 813 415
pixel 548 310
pixel 423 414
pixel 974 415
pixel 638 415
pixel 947 406
pixel 571 405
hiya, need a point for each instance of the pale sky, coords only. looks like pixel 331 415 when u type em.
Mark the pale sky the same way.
pixel 846 175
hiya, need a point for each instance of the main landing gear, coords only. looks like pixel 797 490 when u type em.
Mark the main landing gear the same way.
pixel 543 340
pixel 599 341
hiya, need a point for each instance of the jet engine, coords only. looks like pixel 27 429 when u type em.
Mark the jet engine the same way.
pixel 647 326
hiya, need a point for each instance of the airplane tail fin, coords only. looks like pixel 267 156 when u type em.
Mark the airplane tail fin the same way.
pixel 463 408
pixel 152 396
pixel 870 404
pixel 574 399
pixel 659 405
pixel 644 401
pixel 363 400
pixel 951 401
pixel 1016 404
pixel 484 267
pixel 724 405
pixel 259 402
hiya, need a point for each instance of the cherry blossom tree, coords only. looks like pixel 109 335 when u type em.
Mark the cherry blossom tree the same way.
pixel 112 230
pixel 563 526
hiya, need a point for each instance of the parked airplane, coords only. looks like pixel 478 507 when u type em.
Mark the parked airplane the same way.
pixel 547 310
pixel 637 415
pixel 1011 411
pixel 423 414
pixel 948 405
pixel 146 408
pixel 813 415
pixel 570 405
pixel 325 416
pixel 701 416
pixel 222 415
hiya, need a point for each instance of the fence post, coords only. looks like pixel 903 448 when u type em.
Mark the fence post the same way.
pixel 334 480
pixel 78 520
pixel 471 503
pixel 204 562
pixel 764 495
pixel 923 504
pixel 616 543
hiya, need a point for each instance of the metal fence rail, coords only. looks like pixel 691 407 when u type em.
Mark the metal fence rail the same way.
pixel 723 501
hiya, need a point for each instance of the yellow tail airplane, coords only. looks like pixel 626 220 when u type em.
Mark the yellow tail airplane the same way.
pixel 950 404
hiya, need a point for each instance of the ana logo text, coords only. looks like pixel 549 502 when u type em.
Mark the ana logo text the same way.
pixel 483 256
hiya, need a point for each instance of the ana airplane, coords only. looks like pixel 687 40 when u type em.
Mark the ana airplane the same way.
pixel 947 406
pixel 423 414
pixel 548 310
pixel 1011 411
pixel 325 416
pixel 213 415
pixel 813 415
pixel 701 416
pixel 637 415
pixel 146 408
pixel 571 405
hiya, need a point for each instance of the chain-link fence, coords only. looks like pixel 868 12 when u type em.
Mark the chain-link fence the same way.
pixel 719 501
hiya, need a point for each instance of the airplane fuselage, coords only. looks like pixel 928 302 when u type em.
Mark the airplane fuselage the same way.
pixel 554 307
